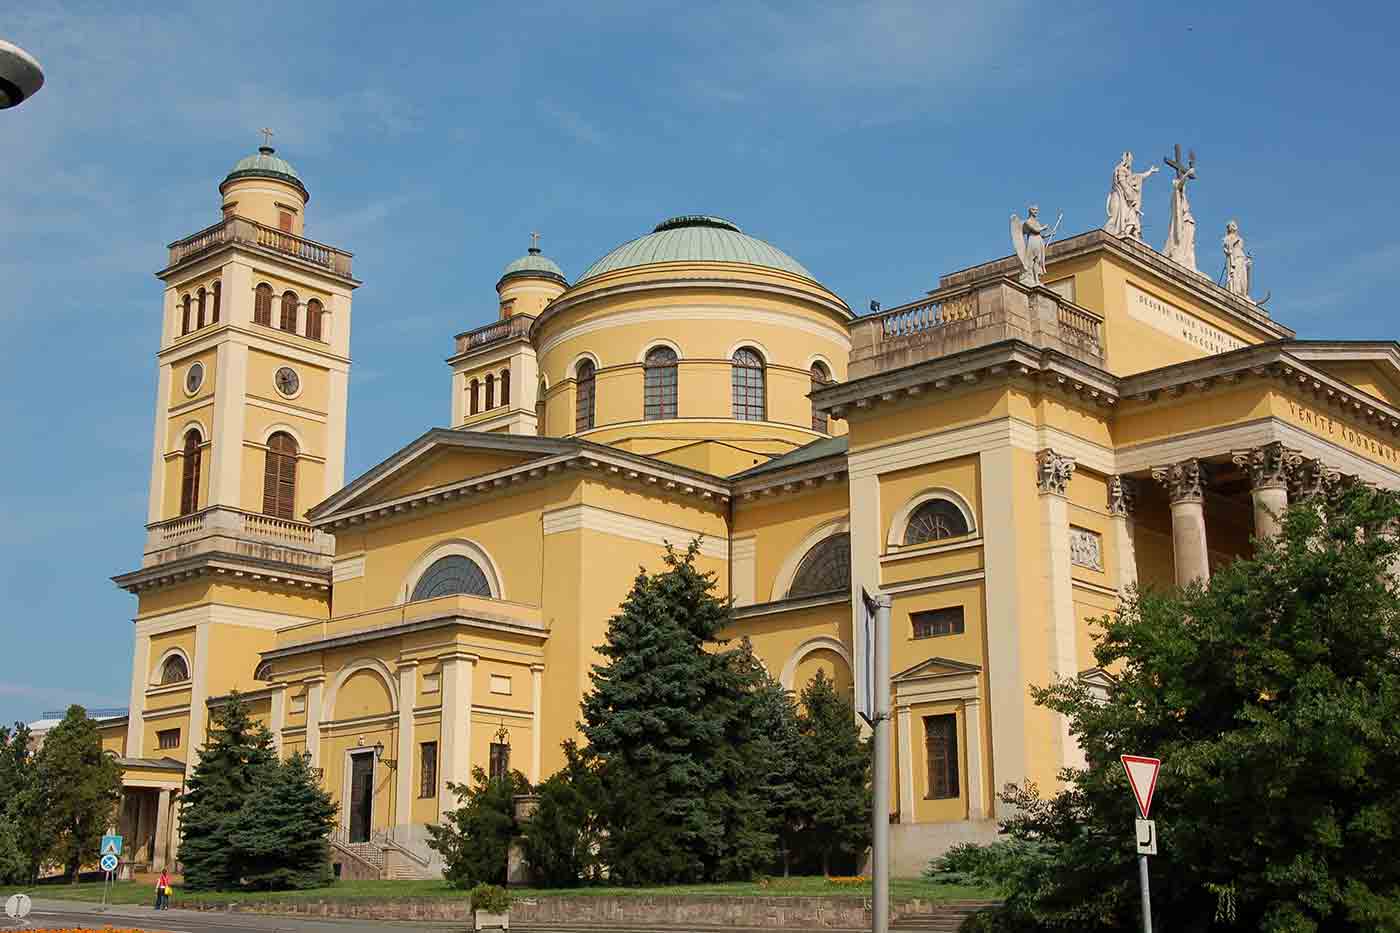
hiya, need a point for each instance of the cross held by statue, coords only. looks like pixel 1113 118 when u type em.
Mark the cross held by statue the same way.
pixel 1178 165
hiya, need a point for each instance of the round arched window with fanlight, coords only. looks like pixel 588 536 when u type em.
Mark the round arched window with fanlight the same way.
pixel 935 520
pixel 174 670
pixel 826 568
pixel 452 575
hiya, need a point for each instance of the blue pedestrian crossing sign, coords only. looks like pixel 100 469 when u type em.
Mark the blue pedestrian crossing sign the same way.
pixel 111 845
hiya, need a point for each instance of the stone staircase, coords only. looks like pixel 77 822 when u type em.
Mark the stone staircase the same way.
pixel 945 918
pixel 382 857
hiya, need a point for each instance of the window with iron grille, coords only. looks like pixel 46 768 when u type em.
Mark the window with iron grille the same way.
pixel 820 377
pixel 262 305
pixel 189 474
pixel 455 574
pixel 500 760
pixel 932 623
pixel 746 381
pixel 941 744
pixel 289 312
pixel 584 403
pixel 427 770
pixel 280 476
pixel 935 520
pixel 660 390
pixel 168 738
pixel 825 569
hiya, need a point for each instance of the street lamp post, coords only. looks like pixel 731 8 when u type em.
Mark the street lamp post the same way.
pixel 20 75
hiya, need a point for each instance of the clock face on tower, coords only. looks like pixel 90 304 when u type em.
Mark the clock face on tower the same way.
pixel 194 378
pixel 288 382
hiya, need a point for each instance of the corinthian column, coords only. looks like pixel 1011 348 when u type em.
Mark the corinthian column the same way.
pixel 1122 499
pixel 1052 476
pixel 1268 467
pixel 1185 482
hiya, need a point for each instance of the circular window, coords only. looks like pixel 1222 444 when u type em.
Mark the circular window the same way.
pixel 288 382
pixel 194 378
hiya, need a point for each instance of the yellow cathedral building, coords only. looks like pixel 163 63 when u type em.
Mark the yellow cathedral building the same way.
pixel 1001 456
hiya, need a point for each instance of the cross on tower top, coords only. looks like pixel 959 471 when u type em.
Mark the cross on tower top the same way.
pixel 534 242
pixel 267 135
pixel 1182 168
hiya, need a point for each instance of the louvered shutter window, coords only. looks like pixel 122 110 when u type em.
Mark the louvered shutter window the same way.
pixel 189 480
pixel 185 316
pixel 289 312
pixel 280 477
pixel 218 293
pixel 262 305
pixel 313 319
pixel 203 298
pixel 505 387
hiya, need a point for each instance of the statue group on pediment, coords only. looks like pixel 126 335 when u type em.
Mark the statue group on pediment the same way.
pixel 1124 207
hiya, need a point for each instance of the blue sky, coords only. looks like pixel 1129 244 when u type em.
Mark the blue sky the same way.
pixel 880 144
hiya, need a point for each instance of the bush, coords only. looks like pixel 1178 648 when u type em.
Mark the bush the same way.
pixel 474 839
pixel 562 838
pixel 491 898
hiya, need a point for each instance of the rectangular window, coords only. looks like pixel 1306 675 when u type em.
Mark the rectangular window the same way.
pixel 932 623
pixel 500 760
pixel 941 745
pixel 427 781
pixel 284 221
pixel 168 738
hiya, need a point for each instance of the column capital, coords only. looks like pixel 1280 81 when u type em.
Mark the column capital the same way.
pixel 1185 480
pixel 1052 471
pixel 458 654
pixel 1312 478
pixel 1268 466
pixel 406 664
pixel 1122 495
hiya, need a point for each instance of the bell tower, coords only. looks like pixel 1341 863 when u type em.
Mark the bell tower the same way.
pixel 251 395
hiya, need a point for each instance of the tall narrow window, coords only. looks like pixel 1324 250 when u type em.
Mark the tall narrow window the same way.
pixel 476 396
pixel 540 409
pixel 289 312
pixel 490 391
pixel 747 384
pixel 189 478
pixel 199 316
pixel 660 393
pixel 584 404
pixel 427 770
pixel 218 293
pixel 941 745
pixel 185 315
pixel 284 221
pixel 499 761
pixel 820 377
pixel 505 387
pixel 313 319
pixel 280 476
pixel 262 305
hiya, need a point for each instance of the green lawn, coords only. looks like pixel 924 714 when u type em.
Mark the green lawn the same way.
pixel 131 892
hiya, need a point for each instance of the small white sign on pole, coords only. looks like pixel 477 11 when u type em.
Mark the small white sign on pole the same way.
pixel 1146 837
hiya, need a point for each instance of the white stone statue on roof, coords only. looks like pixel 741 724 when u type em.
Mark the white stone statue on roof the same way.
pixel 1238 264
pixel 1180 247
pixel 1125 199
pixel 1028 238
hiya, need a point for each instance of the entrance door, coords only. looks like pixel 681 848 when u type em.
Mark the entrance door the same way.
pixel 361 795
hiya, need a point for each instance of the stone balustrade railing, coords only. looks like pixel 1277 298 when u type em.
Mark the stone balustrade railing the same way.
pixel 242 230
pixel 229 530
pixel 495 332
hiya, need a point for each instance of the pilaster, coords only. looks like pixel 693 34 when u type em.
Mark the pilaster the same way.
pixel 226 447
pixel 456 688
pixel 905 719
pixel 314 688
pixel 536 721
pixel 865 568
pixel 403 774
pixel 976 795
pixel 278 715
pixel 199 696
pixel 155 508
pixel 1185 482
pixel 1053 473
pixel 162 839
pixel 140 675
pixel 337 403
pixel 1006 680
pixel 1122 501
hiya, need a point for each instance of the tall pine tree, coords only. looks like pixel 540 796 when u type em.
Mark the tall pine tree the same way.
pixel 833 782
pixel 282 829
pixel 237 755
pixel 666 722
pixel 81 785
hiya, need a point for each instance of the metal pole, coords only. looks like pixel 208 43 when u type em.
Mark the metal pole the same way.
pixel 1144 884
pixel 880 817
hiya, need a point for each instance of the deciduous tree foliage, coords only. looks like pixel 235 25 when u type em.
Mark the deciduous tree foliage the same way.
pixel 26 831
pixel 1272 696
pixel 79 785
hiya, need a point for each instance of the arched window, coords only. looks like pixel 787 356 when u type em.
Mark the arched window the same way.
pixel 218 294
pixel 476 396
pixel 935 520
pixel 825 569
pixel 490 391
pixel 820 377
pixel 174 670
pixel 660 393
pixel 289 312
pixel 185 315
pixel 199 315
pixel 189 474
pixel 747 384
pixel 280 476
pixel 505 387
pixel 584 405
pixel 313 319
pixel 451 575
pixel 263 672
pixel 540 409
pixel 262 305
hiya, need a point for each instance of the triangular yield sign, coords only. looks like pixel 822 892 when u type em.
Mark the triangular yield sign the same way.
pixel 1142 774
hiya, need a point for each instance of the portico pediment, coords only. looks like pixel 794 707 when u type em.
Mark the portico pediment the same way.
pixel 1372 367
pixel 935 668
pixel 937 680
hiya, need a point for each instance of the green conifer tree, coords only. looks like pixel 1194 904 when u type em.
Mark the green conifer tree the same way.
pixel 236 756
pixel 474 839
pixel 282 829
pixel 773 756
pixel 81 785
pixel 666 722
pixel 833 782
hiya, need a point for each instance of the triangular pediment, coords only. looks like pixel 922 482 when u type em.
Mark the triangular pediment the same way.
pixel 1370 367
pixel 934 668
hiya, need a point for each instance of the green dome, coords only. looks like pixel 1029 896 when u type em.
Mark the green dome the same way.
pixel 534 265
pixel 267 164
pixel 696 238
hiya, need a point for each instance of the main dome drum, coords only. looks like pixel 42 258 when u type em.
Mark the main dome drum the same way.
pixel 695 238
